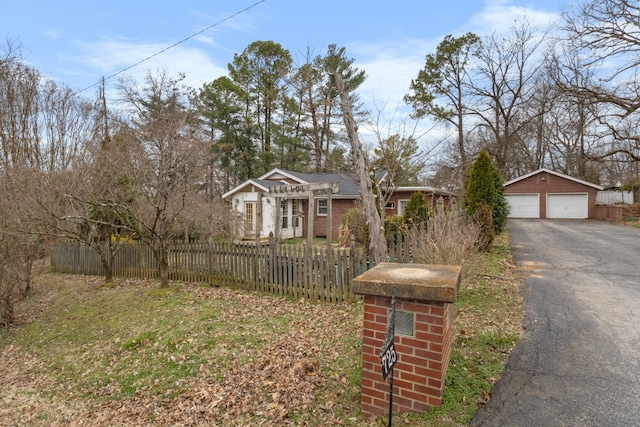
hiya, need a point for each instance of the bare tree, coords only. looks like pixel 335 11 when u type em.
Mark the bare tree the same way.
pixel 378 244
pixel 31 124
pixel 19 115
pixel 504 82
pixel 397 153
pixel 572 127
pixel 606 33
pixel 319 100
pixel 47 137
pixel 18 251
pixel 42 124
pixel 166 161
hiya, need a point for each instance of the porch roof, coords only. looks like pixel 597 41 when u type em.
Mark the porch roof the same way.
pixel 261 184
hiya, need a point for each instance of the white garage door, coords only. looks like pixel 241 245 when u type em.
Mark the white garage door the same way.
pixel 523 205
pixel 574 206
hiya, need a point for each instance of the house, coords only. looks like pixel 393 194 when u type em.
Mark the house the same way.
pixel 279 202
pixel 548 194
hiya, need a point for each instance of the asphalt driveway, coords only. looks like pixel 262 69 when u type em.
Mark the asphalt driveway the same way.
pixel 579 362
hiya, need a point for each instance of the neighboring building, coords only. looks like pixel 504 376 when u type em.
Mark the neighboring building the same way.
pixel 285 210
pixel 547 194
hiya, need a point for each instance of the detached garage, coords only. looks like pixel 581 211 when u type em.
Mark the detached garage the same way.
pixel 548 194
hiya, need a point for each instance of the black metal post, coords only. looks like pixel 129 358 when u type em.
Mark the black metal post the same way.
pixel 393 337
pixel 390 397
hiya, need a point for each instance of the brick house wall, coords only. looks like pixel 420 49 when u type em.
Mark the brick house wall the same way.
pixel 545 183
pixel 339 207
pixel 406 195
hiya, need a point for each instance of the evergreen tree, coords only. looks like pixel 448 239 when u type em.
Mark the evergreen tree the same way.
pixel 231 134
pixel 484 187
pixel 261 71
pixel 440 89
pixel 500 207
pixel 417 211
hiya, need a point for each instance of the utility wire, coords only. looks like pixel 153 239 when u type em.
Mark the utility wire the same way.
pixel 170 47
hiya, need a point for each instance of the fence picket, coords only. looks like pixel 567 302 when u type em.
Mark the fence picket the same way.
pixel 294 271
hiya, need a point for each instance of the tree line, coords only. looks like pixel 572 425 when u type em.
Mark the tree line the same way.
pixel 153 167
pixel 563 97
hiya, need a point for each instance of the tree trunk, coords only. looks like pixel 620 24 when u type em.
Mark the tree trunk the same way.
pixel 461 148
pixel 164 274
pixel 107 261
pixel 377 245
pixel 161 254
pixel 108 273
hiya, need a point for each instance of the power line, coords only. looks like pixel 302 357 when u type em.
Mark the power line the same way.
pixel 171 47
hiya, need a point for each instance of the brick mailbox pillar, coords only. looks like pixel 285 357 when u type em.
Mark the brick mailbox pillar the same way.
pixel 424 305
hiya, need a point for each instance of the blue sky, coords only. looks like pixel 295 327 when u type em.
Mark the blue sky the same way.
pixel 78 42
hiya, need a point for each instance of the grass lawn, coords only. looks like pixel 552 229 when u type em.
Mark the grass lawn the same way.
pixel 83 353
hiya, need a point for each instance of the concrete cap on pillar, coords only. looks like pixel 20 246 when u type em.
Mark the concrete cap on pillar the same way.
pixel 422 282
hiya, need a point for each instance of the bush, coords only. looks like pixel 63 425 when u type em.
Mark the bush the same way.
pixel 417 211
pixel 393 226
pixel 447 238
pixel 353 223
pixel 484 219
pixel 16 265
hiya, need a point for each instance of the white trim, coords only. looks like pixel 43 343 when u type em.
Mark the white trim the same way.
pixel 400 205
pixel 318 206
pixel 283 173
pixel 382 178
pixel 561 175
pixel 243 185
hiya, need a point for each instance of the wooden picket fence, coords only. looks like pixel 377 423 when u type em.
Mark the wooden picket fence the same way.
pixel 291 270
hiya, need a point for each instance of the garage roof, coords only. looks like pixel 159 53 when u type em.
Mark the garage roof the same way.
pixel 561 175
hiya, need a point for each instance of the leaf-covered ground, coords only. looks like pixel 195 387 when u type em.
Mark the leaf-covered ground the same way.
pixel 138 355
pixel 133 354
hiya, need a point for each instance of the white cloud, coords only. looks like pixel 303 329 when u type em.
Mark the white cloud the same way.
pixel 499 15
pixel 53 33
pixel 390 68
pixel 109 56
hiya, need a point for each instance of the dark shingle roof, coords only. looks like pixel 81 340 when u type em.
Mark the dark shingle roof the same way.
pixel 347 183
pixel 267 183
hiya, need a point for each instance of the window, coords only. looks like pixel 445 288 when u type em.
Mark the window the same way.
pixel 322 207
pixel 248 215
pixel 402 205
pixel 285 217
pixel 390 205
pixel 297 213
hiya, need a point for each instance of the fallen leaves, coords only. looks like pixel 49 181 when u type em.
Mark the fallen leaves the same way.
pixel 233 358
pixel 134 355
